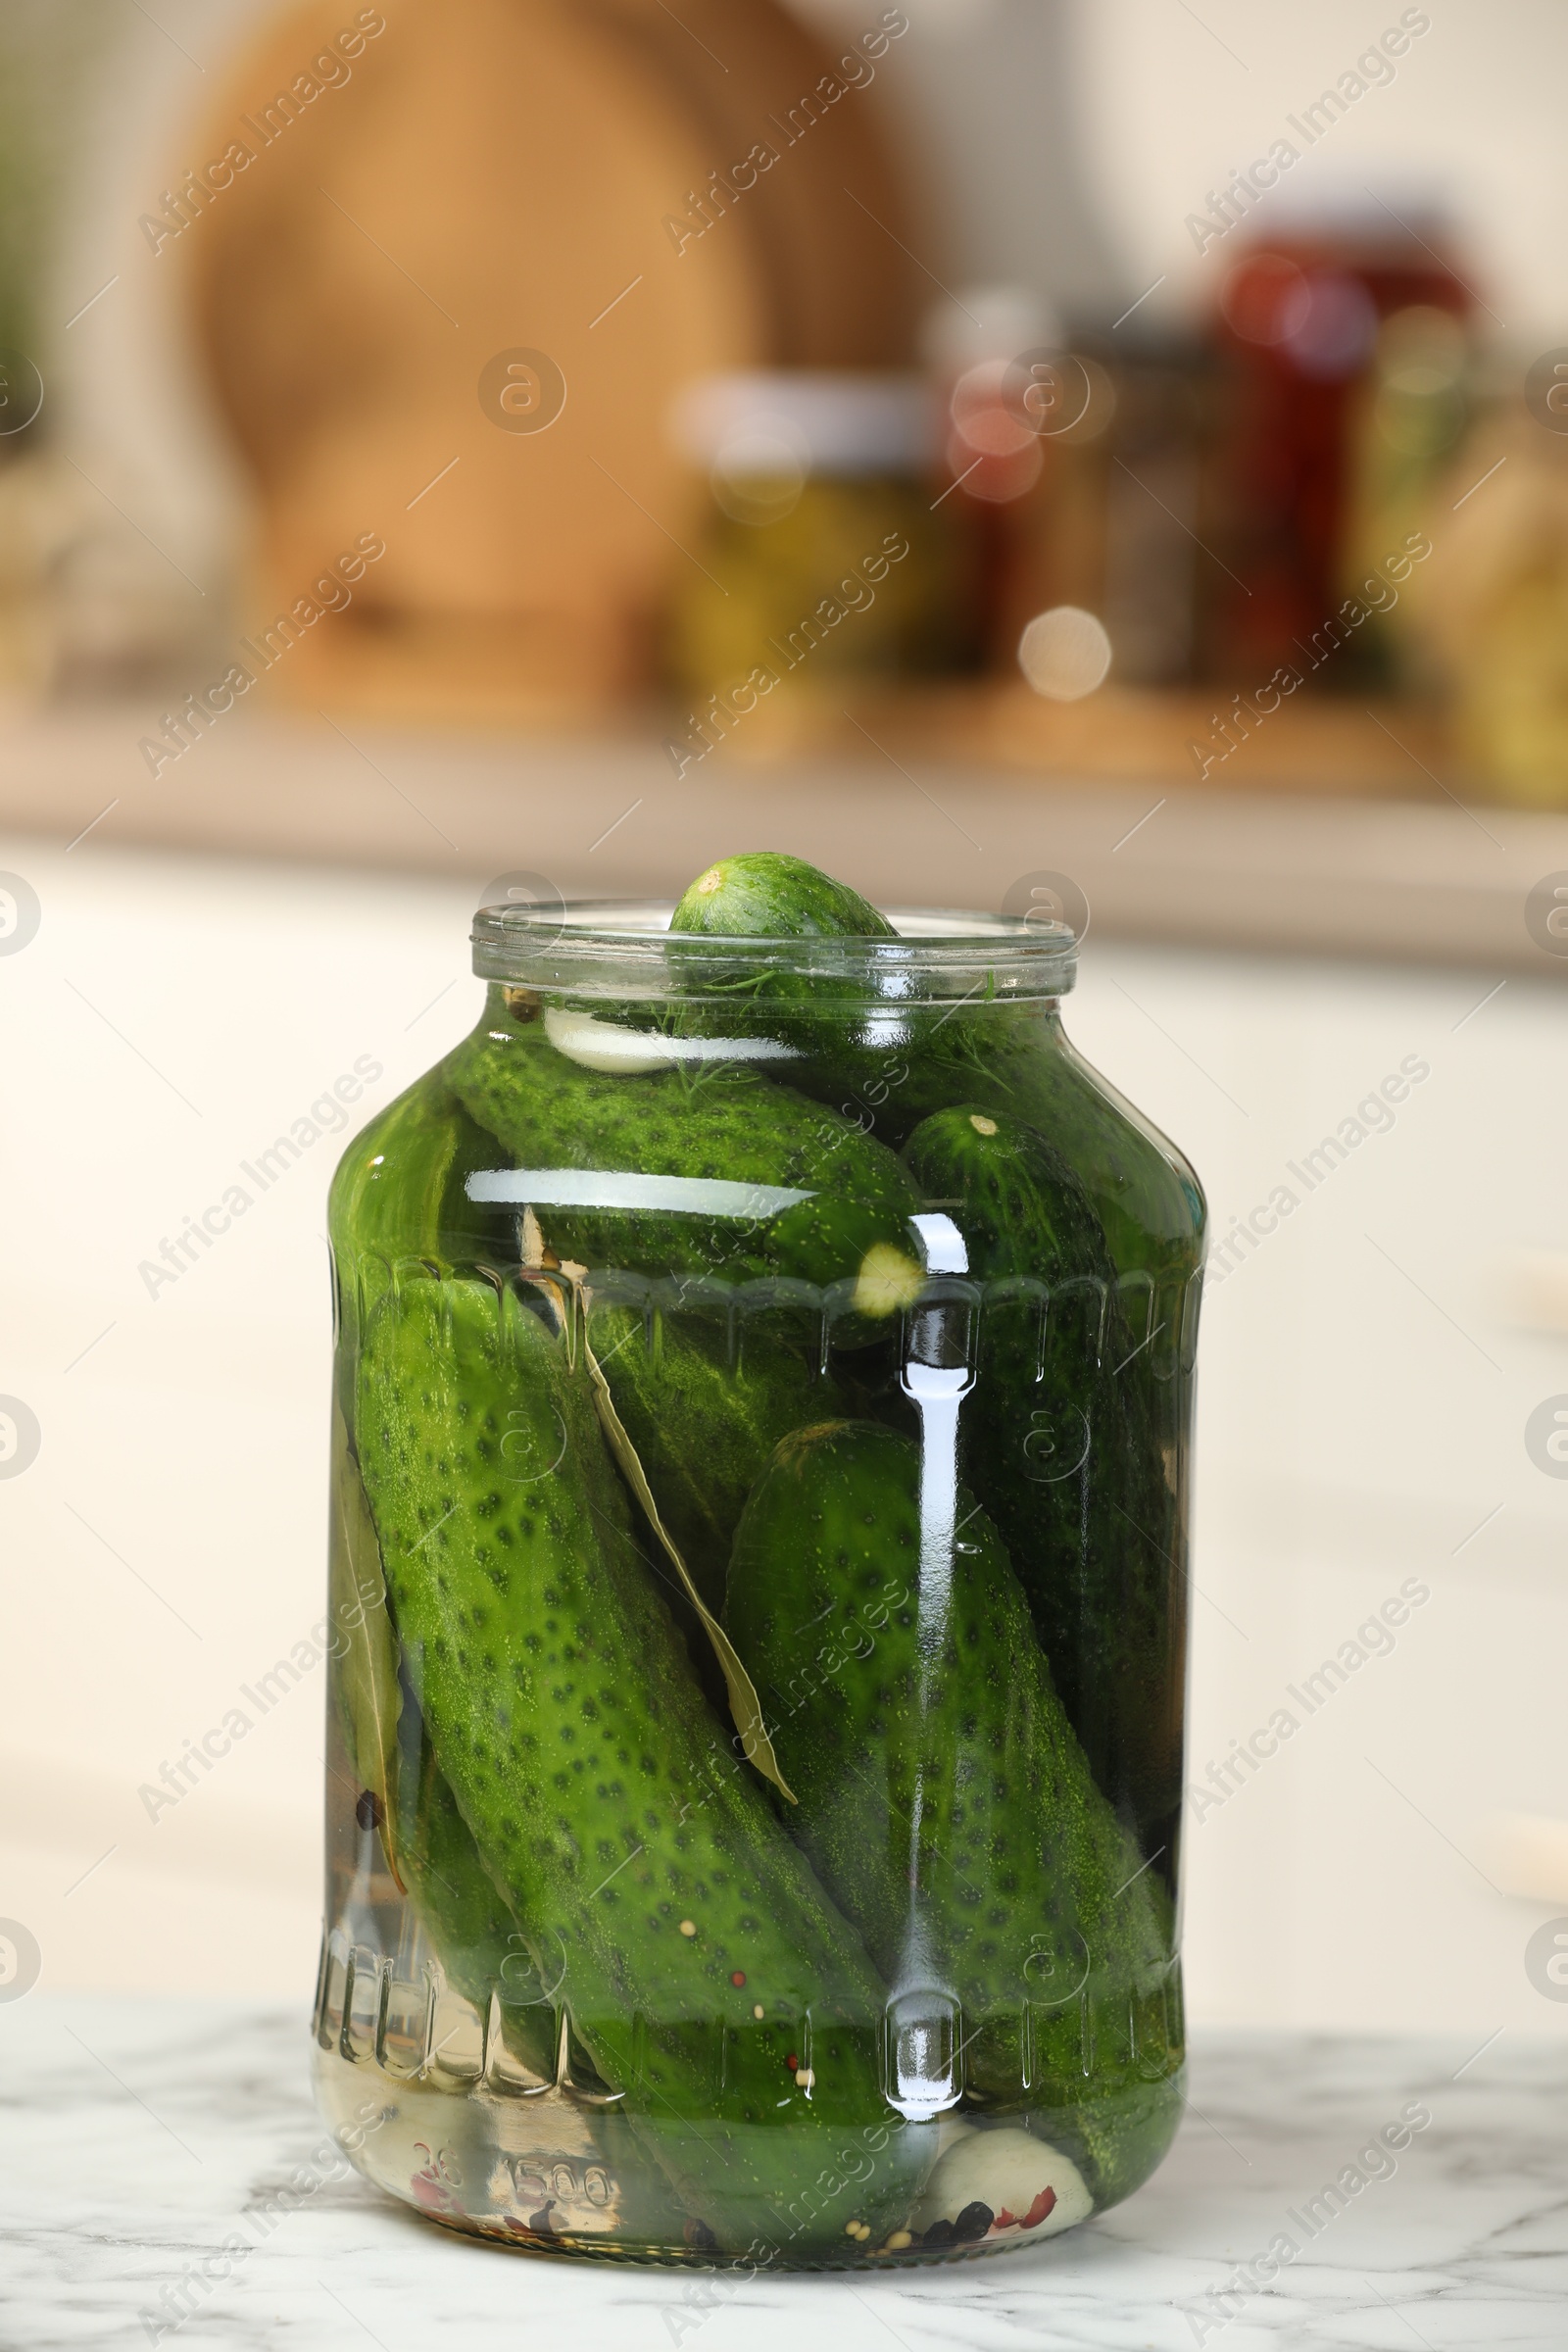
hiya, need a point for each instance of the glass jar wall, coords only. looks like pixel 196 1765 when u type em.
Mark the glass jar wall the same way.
pixel 760 1417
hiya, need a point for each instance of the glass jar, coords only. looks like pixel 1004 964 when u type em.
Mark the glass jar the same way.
pixel 764 1380
pixel 823 556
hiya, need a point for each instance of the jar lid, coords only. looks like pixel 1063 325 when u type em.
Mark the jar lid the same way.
pixel 622 949
pixel 831 421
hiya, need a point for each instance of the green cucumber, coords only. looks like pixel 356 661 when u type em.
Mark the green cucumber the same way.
pixel 883 1069
pixel 1063 1444
pixel 764 894
pixel 604 1795
pixel 847 1238
pixel 472 1932
pixel 1015 1187
pixel 363 1670
pixel 400 1187
pixel 422 1833
pixel 944 1798
pixel 1146 1194
pixel 398 1195
pixel 703 1419
pixel 400 1190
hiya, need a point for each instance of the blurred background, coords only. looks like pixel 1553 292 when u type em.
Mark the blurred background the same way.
pixel 1019 454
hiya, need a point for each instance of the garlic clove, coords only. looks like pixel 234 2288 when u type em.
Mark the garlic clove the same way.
pixel 1028 2186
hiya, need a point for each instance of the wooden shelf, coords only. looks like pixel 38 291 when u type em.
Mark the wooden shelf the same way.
pixel 907 805
pixel 1383 750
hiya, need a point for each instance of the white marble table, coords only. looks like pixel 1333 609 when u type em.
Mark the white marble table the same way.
pixel 137 2135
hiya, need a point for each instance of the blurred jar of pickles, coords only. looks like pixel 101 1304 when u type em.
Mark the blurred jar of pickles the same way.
pixel 1495 611
pixel 1409 419
pixel 822 557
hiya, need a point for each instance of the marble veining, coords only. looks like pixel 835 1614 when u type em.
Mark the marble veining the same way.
pixel 138 2133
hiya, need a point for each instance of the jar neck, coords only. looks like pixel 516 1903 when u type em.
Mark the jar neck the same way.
pixel 625 955
pixel 873 1051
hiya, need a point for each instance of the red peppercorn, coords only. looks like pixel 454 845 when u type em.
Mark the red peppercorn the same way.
pixel 792 2062
pixel 738 1976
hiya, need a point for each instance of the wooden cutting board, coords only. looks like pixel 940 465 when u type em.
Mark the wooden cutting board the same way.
pixel 832 213
pixel 488 181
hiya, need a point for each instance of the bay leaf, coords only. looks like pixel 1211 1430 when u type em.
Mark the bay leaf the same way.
pixel 745 1708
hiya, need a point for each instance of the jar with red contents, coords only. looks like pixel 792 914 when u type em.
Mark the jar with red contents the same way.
pixel 1301 320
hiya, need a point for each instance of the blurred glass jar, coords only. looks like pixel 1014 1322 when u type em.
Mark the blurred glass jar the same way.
pixel 1492 617
pixel 822 555
pixel 1409 420
pixel 1325 398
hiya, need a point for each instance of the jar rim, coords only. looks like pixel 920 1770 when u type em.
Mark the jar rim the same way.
pixel 624 948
